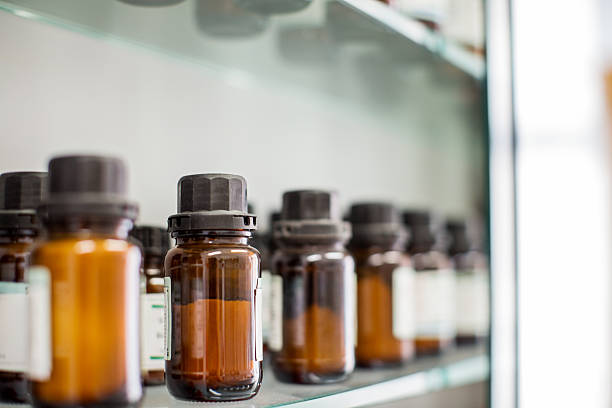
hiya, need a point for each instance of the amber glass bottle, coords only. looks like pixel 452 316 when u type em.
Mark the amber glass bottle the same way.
pixel 385 286
pixel 20 195
pixel 214 350
pixel 312 291
pixel 472 297
pixel 434 284
pixel 260 242
pixel 84 289
pixel 154 243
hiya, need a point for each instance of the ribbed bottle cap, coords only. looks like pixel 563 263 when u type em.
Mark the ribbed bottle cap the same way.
pixel 212 202
pixel 458 241
pixel 376 223
pixel 20 195
pixel 311 215
pixel 88 185
pixel 424 230
pixel 154 240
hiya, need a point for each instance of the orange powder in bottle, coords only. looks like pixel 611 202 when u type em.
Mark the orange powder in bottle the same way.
pixel 376 344
pixel 314 342
pixel 214 333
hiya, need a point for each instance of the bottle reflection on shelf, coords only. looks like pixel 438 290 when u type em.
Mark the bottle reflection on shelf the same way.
pixel 222 18
pixel 152 3
pixel 307 45
pixel 273 6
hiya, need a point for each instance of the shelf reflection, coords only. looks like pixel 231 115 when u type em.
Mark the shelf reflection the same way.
pixel 222 18
pixel 152 3
pixel 273 6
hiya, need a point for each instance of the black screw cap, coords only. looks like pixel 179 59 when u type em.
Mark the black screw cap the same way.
pixel 87 174
pixel 22 190
pixel 310 205
pixel 457 237
pixel 376 223
pixel 373 213
pixel 210 192
pixel 212 202
pixel 311 215
pixel 88 185
pixel 20 195
pixel 154 240
pixel 424 231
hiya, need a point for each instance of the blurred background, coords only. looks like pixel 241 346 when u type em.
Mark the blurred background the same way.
pixel 497 112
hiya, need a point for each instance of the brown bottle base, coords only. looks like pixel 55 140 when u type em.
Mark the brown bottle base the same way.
pixel 13 387
pixel 381 363
pixel 431 347
pixel 197 391
pixel 116 400
pixel 309 377
pixel 154 377
pixel 468 339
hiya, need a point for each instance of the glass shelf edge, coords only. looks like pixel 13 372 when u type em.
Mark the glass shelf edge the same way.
pixel 464 372
pixel 472 64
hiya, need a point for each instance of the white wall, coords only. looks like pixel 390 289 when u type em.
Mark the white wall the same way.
pixel 65 92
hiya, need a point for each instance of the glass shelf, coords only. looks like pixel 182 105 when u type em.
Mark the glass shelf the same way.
pixel 358 54
pixel 366 386
pixel 463 366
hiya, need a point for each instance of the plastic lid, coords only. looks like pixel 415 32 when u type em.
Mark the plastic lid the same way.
pixel 20 195
pixel 212 202
pixel 424 230
pixel 154 240
pixel 311 215
pixel 88 185
pixel 376 223
pixel 457 237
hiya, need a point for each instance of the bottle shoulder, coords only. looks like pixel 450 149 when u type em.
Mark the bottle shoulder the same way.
pixel 430 260
pixel 322 257
pixel 79 246
pixel 207 248
pixel 16 248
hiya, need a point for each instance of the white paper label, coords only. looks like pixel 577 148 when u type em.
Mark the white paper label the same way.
pixel 403 303
pixel 14 327
pixel 265 304
pixel 152 318
pixel 39 297
pixel 435 303
pixel 258 322
pixel 351 308
pixel 167 317
pixel 472 302
pixel 275 341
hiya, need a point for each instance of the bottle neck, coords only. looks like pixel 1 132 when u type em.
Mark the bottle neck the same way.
pixel 89 227
pixel 312 246
pixel 152 261
pixel 214 238
pixel 17 237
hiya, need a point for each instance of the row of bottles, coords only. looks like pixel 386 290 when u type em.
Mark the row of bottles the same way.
pixel 338 293
pixel 420 286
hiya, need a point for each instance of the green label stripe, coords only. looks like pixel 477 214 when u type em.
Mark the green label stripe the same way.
pixel 156 357
pixel 157 306
pixel 13 287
